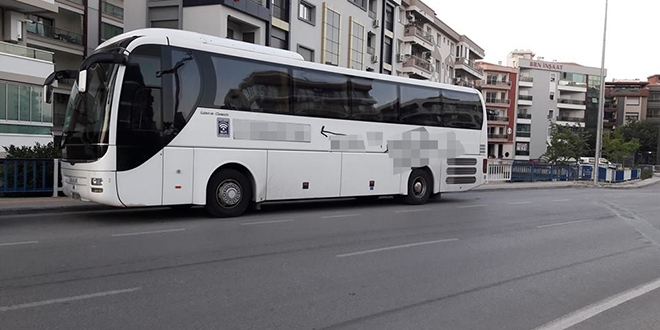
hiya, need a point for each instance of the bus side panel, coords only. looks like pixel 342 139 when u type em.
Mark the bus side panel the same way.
pixel 359 169
pixel 178 176
pixel 206 161
pixel 143 185
pixel 301 175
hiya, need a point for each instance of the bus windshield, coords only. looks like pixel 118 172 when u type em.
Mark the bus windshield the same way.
pixel 86 122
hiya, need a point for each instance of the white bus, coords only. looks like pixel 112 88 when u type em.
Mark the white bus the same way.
pixel 161 117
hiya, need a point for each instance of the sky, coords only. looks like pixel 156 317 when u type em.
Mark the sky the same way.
pixel 563 30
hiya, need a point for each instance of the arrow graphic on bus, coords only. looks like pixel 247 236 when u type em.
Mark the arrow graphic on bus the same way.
pixel 323 131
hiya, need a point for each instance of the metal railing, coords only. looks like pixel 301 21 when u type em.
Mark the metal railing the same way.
pixel 28 176
pixel 498 101
pixel 413 30
pixel 498 136
pixel 568 101
pixel 23 51
pixel 112 10
pixel 525 172
pixel 571 119
pixel 527 79
pixel 469 63
pixel 525 115
pixel 525 97
pixel 498 119
pixel 418 62
pixel 498 83
pixel 48 31
pixel 524 134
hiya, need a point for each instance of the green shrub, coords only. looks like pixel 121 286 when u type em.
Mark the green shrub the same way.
pixel 647 174
pixel 47 151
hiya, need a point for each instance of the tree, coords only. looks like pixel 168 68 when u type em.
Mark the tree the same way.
pixel 645 132
pixel 566 143
pixel 616 147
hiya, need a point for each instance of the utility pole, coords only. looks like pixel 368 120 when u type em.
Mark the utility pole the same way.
pixel 601 104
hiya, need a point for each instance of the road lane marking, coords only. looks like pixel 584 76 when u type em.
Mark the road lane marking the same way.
pixel 265 222
pixel 149 232
pixel 414 210
pixel 562 200
pixel 565 223
pixel 19 243
pixel 67 299
pixel 470 206
pixel 340 216
pixel 590 311
pixel 520 203
pixel 395 247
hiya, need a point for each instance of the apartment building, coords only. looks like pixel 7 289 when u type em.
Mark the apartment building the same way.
pixel 24 118
pixel 498 88
pixel 625 100
pixel 653 101
pixel 551 92
pixel 40 36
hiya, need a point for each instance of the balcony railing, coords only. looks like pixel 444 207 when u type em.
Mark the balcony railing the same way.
pixel 412 30
pixel 571 119
pixel 498 83
pixel 498 136
pixel 48 31
pixel 418 62
pixel 498 119
pixel 525 97
pixel 498 101
pixel 572 83
pixel 525 115
pixel 524 134
pixel 567 101
pixel 527 79
pixel 23 51
pixel 112 10
pixel 469 63
pixel 80 2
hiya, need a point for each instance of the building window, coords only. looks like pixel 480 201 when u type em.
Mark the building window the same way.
pixel 281 9
pixel 23 103
pixel 306 12
pixel 332 24
pixel 307 53
pixel 389 17
pixel 632 100
pixel 108 31
pixel 360 3
pixel 279 39
pixel 387 50
pixel 357 46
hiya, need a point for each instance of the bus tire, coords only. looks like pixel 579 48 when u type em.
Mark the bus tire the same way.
pixel 228 194
pixel 420 187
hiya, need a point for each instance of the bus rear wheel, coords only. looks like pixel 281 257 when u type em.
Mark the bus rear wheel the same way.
pixel 420 187
pixel 228 194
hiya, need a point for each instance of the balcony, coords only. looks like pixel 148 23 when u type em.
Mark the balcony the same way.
pixel 572 86
pixel 524 116
pixel 571 104
pixel 417 67
pixel 526 82
pixel 492 137
pixel 497 120
pixel 416 35
pixel 525 100
pixel 112 11
pixel 23 51
pixel 470 67
pixel 495 84
pixel 51 36
pixel 498 102
pixel 281 10
pixel 31 6
pixel 611 107
pixel 567 120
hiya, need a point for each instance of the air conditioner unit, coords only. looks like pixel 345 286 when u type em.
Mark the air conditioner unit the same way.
pixel 376 23
pixel 401 58
pixel 374 58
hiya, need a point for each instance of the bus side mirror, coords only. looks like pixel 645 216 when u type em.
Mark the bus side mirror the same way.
pixel 82 81
pixel 48 94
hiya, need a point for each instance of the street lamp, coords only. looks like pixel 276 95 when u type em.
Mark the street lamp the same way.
pixel 601 103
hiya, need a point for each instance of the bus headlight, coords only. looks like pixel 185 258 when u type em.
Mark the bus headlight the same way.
pixel 97 181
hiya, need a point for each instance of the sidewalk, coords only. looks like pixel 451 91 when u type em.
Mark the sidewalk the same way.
pixel 568 184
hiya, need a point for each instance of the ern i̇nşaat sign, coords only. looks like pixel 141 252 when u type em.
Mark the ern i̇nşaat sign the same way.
pixel 548 66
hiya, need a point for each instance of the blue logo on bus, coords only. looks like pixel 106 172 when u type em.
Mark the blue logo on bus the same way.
pixel 223 127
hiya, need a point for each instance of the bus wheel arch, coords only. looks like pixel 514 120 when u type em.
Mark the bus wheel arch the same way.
pixel 230 191
pixel 419 186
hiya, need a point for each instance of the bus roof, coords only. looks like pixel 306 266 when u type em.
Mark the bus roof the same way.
pixel 284 54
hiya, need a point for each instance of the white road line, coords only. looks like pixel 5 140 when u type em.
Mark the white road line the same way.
pixel 562 200
pixel 470 206
pixel 149 232
pixel 265 222
pixel 18 243
pixel 62 300
pixel 414 210
pixel 520 203
pixel 588 312
pixel 395 247
pixel 341 216
pixel 565 223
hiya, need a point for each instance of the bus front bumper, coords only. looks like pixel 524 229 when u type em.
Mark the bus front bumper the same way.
pixel 97 187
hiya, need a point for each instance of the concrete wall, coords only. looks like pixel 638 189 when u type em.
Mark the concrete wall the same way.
pixel 135 15
pixel 213 20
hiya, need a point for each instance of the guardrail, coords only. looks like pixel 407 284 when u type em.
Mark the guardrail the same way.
pixel 29 176
pixel 520 172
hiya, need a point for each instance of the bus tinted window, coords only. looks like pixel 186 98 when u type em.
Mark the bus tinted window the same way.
pixel 420 106
pixel 374 101
pixel 320 94
pixel 461 110
pixel 251 86
pixel 183 81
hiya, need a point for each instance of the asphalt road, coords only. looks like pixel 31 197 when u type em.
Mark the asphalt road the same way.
pixel 529 259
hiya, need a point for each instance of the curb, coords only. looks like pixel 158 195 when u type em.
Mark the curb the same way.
pixel 55 209
pixel 529 188
pixel 642 184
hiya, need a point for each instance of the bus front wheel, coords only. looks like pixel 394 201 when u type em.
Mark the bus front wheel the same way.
pixel 420 187
pixel 228 194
